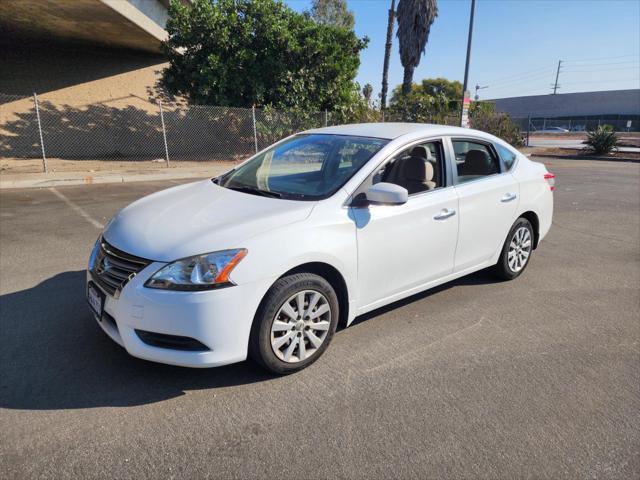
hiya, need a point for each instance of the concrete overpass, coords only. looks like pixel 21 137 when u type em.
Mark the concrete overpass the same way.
pixel 129 24
pixel 52 46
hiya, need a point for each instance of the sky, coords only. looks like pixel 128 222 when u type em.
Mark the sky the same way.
pixel 516 45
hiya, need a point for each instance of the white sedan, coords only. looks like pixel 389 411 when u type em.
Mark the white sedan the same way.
pixel 317 229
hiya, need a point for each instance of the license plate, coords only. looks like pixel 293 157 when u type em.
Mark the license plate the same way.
pixel 96 299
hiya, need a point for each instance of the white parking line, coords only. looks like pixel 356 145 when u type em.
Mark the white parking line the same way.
pixel 79 210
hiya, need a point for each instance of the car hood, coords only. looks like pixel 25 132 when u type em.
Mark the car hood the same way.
pixel 197 218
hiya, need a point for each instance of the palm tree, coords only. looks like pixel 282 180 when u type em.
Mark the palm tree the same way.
pixel 387 55
pixel 367 91
pixel 414 22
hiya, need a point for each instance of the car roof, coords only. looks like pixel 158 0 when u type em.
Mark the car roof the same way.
pixel 392 130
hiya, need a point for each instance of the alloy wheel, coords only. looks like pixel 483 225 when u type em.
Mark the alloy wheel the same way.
pixel 519 249
pixel 301 326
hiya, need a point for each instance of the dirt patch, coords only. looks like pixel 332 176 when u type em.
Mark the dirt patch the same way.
pixel 20 165
pixel 579 154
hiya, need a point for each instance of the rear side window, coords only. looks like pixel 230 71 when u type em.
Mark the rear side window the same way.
pixel 474 160
pixel 507 156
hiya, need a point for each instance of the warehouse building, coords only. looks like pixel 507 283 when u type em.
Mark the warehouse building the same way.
pixel 576 111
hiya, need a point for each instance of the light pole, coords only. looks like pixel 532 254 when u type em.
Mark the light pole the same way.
pixel 478 87
pixel 463 110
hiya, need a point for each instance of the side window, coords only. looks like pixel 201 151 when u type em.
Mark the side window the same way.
pixel 419 168
pixel 507 156
pixel 474 160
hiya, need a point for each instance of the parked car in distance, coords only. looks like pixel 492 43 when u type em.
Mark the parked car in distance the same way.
pixel 553 130
pixel 317 229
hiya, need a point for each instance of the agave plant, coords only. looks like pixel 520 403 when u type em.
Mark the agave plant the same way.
pixel 602 140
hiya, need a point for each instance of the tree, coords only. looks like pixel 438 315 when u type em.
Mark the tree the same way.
pixel 241 53
pixel 387 56
pixel 442 86
pixel 483 116
pixel 332 12
pixel 434 100
pixel 415 18
pixel 367 91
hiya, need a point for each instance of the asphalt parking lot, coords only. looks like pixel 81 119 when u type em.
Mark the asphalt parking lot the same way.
pixel 536 378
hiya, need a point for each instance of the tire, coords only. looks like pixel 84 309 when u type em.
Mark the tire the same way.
pixel 283 340
pixel 516 251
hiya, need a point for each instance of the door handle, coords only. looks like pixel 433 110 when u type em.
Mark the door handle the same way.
pixel 508 197
pixel 445 213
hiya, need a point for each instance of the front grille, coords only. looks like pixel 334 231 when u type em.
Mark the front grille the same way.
pixel 113 268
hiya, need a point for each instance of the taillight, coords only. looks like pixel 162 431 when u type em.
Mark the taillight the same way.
pixel 551 180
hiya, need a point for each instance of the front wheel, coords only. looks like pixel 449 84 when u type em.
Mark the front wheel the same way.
pixel 516 250
pixel 294 323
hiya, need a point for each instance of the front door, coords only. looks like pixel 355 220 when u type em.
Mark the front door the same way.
pixel 405 246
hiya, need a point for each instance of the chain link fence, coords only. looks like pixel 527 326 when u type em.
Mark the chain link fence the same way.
pixel 136 129
pixel 132 128
pixel 619 123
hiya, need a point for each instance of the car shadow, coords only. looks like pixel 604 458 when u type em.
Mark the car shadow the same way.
pixel 53 355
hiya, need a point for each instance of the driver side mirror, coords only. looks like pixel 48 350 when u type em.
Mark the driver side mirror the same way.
pixel 387 194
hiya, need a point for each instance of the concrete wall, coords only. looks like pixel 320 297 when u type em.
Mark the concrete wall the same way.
pixel 95 65
pixel 91 98
pixel 70 70
pixel 614 102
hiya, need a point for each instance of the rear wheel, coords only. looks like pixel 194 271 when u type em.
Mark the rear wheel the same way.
pixel 516 250
pixel 294 323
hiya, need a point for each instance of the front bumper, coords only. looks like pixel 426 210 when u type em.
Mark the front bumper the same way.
pixel 219 319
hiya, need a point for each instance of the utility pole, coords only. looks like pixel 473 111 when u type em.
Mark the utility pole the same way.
pixel 466 66
pixel 555 86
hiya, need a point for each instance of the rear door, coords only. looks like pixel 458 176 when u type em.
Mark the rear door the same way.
pixel 488 198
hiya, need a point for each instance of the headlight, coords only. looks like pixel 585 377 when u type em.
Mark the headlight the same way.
pixel 94 254
pixel 201 272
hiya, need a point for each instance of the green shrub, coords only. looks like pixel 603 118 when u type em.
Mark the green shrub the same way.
pixel 602 140
pixel 482 116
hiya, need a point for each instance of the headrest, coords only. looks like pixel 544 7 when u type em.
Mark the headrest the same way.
pixel 429 172
pixel 360 157
pixel 423 152
pixel 477 162
pixel 415 169
pixel 419 151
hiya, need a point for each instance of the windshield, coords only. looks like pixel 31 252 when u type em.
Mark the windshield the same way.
pixel 306 167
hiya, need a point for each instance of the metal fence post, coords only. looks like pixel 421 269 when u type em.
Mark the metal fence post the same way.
pixel 326 118
pixel 164 134
pixel 255 131
pixel 44 157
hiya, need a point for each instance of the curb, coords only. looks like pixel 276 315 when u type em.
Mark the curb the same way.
pixel 42 181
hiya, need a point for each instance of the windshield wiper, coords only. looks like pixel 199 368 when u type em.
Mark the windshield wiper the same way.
pixel 256 191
